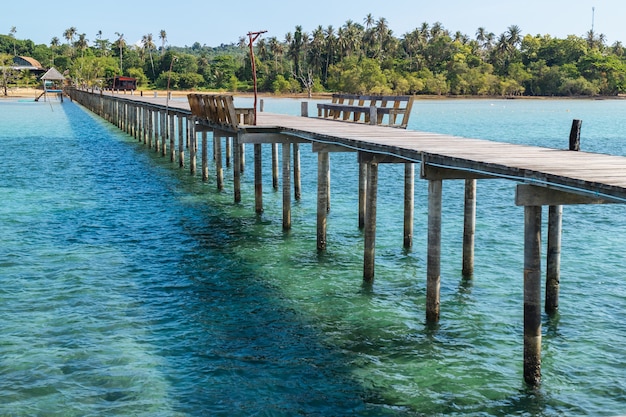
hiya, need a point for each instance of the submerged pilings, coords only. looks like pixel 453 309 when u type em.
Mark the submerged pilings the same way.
pixel 158 127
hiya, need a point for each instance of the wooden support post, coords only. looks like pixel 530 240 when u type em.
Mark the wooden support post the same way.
pixel 469 228
pixel 172 135
pixel 146 123
pixel 323 164
pixel 286 186
pixel 158 130
pixel 297 182
pixel 193 146
pixel 433 264
pixel 164 131
pixel 219 169
pixel 553 270
pixel 242 153
pixel 258 178
pixel 228 152
pixel 362 193
pixel 150 127
pixel 409 203
pixel 205 157
pixel 275 166
pixel 369 254
pixel 236 168
pixel 532 295
pixel 181 141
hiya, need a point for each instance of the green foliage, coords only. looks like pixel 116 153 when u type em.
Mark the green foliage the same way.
pixel 353 58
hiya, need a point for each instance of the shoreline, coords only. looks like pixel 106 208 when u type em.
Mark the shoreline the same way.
pixel 28 92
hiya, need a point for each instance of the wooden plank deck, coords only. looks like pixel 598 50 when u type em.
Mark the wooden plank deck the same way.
pixel 597 175
pixel 593 174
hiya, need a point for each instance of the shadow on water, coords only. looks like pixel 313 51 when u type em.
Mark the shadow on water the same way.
pixel 232 343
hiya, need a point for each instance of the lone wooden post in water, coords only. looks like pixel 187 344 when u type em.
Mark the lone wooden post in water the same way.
pixel 574 135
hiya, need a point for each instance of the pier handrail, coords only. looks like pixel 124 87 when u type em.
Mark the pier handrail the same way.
pixel 362 108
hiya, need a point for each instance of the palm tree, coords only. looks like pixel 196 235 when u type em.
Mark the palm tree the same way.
pixel 12 33
pixel 369 21
pixel 54 45
pixel 163 37
pixel 121 44
pixel 148 45
pixel 69 34
pixel 276 50
pixel 514 36
pixel 82 43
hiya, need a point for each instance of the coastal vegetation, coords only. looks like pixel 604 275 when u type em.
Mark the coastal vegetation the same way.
pixel 362 57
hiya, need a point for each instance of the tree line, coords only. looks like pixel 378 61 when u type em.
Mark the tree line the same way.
pixel 355 58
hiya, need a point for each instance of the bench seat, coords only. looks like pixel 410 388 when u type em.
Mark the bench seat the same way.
pixel 391 111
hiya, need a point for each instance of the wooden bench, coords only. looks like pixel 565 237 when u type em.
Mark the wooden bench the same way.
pixel 391 111
pixel 219 111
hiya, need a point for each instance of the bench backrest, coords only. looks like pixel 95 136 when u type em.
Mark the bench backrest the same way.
pixel 218 110
pixel 353 107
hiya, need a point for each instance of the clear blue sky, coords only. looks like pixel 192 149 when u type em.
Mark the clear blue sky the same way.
pixel 213 22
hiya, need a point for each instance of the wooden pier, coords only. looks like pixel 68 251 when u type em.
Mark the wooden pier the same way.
pixel 544 177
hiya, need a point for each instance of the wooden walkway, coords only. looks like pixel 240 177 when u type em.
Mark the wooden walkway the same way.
pixel 549 177
pixel 595 175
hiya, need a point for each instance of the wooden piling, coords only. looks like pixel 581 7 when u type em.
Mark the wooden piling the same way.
pixel 532 295
pixel 236 168
pixel 205 157
pixel 323 163
pixel 275 166
pixel 181 140
pixel 297 178
pixel 362 193
pixel 219 169
pixel 369 253
pixel 574 135
pixel 433 263
pixel 409 203
pixel 193 145
pixel 286 186
pixel 469 228
pixel 158 130
pixel 242 155
pixel 150 127
pixel 258 178
pixel 172 135
pixel 164 130
pixel 553 270
pixel 228 151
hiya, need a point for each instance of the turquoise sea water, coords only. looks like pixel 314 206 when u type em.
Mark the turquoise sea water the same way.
pixel 130 288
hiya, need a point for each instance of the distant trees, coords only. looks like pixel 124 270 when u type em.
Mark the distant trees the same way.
pixel 355 57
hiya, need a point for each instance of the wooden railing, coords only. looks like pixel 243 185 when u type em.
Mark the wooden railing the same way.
pixel 391 111
pixel 219 111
